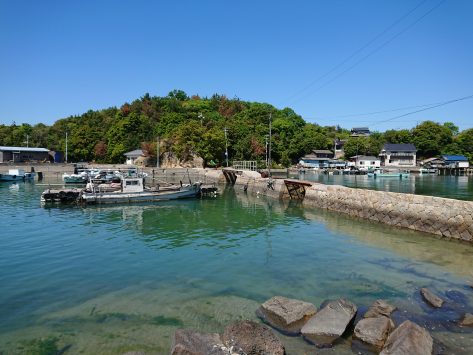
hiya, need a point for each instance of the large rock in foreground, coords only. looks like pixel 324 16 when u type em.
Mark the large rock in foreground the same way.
pixel 189 342
pixel 329 323
pixel 408 338
pixel 286 314
pixel 379 308
pixel 432 299
pixel 467 320
pixel 374 331
pixel 247 337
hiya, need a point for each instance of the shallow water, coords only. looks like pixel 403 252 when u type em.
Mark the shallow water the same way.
pixel 118 278
pixel 458 187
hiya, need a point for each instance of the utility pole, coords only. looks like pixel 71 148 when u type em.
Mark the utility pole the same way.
pixel 266 146
pixel 157 153
pixel 226 145
pixel 66 147
pixel 269 153
pixel 27 138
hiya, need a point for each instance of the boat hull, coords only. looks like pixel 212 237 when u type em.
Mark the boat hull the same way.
pixel 137 197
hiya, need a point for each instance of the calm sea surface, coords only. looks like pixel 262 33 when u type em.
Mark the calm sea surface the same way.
pixel 106 280
pixel 458 187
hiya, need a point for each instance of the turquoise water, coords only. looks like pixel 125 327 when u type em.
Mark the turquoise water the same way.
pixel 114 279
pixel 458 187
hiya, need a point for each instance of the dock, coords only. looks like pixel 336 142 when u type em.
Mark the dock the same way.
pixel 61 195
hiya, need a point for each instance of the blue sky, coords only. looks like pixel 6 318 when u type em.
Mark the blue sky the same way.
pixel 62 58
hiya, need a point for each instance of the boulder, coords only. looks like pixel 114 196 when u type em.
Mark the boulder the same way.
pixel 374 331
pixel 430 298
pixel 408 338
pixel 329 323
pixel 379 308
pixel 248 337
pixel 467 320
pixel 190 342
pixel 286 314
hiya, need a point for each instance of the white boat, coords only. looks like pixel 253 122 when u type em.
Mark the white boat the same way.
pixel 133 190
pixel 17 175
pixel 75 178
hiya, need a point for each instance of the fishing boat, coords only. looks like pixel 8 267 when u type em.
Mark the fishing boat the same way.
pixel 389 174
pixel 133 190
pixel 80 178
pixel 18 175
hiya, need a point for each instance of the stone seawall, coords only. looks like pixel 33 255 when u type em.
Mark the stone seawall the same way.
pixel 444 217
pixel 441 216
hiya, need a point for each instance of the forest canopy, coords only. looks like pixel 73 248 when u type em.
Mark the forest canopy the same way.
pixel 190 126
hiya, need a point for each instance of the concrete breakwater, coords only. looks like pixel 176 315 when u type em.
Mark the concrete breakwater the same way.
pixel 444 217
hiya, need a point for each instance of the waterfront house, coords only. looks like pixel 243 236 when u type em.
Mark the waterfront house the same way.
pixel 313 161
pixel 366 162
pixel 323 153
pixel 132 156
pixel 23 154
pixel 432 163
pixel 360 132
pixel 398 155
pixel 455 161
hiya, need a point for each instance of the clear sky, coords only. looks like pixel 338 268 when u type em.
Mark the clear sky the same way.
pixel 328 60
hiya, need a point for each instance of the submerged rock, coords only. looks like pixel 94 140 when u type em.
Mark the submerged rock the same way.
pixel 374 331
pixel 379 308
pixel 248 337
pixel 329 323
pixel 408 338
pixel 190 342
pixel 432 299
pixel 467 320
pixel 286 314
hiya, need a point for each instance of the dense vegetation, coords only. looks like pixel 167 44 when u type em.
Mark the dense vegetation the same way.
pixel 195 126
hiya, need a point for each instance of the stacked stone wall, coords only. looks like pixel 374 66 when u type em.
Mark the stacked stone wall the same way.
pixel 441 216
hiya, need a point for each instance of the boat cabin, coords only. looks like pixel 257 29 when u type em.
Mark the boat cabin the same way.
pixel 133 184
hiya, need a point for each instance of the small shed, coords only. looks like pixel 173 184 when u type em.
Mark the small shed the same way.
pixel 23 154
pixel 456 161
pixel 132 156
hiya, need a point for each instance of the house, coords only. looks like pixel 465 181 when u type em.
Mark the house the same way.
pixel 132 156
pixel 401 155
pixel 313 161
pixel 455 161
pixel 23 154
pixel 338 147
pixel 323 153
pixel 366 162
pixel 360 132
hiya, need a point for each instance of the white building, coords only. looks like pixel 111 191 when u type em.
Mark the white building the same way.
pixel 132 156
pixel 401 155
pixel 366 162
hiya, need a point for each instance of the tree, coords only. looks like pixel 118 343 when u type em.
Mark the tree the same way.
pixel 430 138
pixel 398 136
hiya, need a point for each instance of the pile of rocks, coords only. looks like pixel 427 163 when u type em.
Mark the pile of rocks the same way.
pixel 375 331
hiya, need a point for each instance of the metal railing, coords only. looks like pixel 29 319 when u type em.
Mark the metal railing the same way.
pixel 245 165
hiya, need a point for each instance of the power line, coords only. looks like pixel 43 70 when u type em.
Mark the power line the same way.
pixel 377 49
pixel 374 39
pixel 425 109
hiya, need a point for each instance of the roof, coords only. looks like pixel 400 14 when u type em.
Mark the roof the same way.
pixel 313 157
pixel 454 158
pixel 402 147
pixel 134 153
pixel 23 149
pixel 321 151
pixel 428 160
pixel 360 129
pixel 366 157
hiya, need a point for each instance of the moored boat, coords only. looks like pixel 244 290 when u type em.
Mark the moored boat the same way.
pixel 389 174
pixel 17 175
pixel 132 190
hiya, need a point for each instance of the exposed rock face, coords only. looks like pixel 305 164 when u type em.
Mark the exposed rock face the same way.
pixel 408 338
pixel 247 337
pixel 379 308
pixel 189 342
pixel 286 314
pixel 374 331
pixel 169 160
pixel 329 323
pixel 432 299
pixel 467 320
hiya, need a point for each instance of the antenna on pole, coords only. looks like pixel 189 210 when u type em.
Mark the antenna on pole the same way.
pixel 269 153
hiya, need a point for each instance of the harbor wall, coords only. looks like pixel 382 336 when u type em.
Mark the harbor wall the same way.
pixel 441 216
pixel 444 217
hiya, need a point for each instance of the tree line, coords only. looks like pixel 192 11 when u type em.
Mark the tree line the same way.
pixel 194 126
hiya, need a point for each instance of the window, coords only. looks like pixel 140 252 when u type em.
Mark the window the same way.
pixel 132 182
